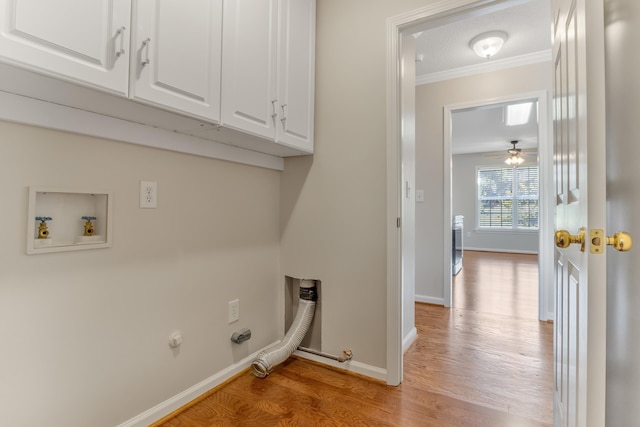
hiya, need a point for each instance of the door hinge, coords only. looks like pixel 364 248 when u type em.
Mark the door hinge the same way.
pixel 398 222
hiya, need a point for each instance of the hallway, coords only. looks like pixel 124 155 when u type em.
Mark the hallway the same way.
pixel 489 349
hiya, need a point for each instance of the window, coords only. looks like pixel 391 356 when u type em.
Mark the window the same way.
pixel 508 198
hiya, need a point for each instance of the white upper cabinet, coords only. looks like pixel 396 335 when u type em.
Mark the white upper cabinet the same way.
pixel 78 40
pixel 249 66
pixel 268 61
pixel 296 73
pixel 239 72
pixel 176 51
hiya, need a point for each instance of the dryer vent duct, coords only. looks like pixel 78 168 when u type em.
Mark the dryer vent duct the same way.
pixel 272 356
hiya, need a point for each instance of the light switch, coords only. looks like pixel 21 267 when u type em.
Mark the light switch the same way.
pixel 419 195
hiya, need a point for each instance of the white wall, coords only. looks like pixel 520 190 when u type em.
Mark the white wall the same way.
pixel 334 205
pixel 464 184
pixel 430 101
pixel 85 333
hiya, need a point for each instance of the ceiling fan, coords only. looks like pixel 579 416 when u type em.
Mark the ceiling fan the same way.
pixel 515 156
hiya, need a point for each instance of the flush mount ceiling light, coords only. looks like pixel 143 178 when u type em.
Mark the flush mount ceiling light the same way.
pixel 515 155
pixel 486 45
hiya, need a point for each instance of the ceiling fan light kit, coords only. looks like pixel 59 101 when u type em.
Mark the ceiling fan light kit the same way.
pixel 515 155
pixel 514 161
pixel 486 45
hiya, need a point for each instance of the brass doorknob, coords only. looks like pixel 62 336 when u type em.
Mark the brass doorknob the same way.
pixel 564 238
pixel 621 241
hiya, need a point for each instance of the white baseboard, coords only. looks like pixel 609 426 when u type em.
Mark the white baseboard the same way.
pixel 351 365
pixel 409 339
pixel 429 300
pixel 179 400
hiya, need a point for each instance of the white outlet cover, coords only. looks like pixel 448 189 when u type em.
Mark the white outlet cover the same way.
pixel 148 194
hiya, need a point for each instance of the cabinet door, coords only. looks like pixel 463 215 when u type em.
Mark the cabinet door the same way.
pixel 296 66
pixel 82 41
pixel 249 66
pixel 176 55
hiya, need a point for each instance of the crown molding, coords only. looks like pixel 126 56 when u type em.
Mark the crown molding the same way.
pixel 485 67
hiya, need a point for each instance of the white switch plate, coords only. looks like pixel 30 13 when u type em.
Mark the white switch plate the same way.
pixel 234 310
pixel 148 194
pixel 419 195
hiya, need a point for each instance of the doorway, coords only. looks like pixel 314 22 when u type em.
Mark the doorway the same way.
pixel 434 15
pixel 500 203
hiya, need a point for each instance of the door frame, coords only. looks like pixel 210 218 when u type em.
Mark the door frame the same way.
pixel 444 10
pixel 545 165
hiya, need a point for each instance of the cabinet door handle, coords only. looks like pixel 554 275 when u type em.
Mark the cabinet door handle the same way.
pixel 145 46
pixel 120 33
pixel 273 106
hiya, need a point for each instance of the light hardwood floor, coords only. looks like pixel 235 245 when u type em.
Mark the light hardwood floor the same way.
pixel 485 362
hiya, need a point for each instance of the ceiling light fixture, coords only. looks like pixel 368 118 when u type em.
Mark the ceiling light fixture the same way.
pixel 515 155
pixel 486 45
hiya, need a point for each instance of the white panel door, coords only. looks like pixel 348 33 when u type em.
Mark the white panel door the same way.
pixel 249 40
pixel 78 40
pixel 296 67
pixel 176 55
pixel 579 135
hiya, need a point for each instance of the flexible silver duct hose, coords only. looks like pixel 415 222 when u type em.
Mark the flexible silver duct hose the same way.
pixel 272 356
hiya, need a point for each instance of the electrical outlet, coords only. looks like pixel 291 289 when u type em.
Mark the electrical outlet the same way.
pixel 234 310
pixel 148 194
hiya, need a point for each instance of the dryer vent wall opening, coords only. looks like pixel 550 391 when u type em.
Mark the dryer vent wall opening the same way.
pixel 278 353
pixel 292 285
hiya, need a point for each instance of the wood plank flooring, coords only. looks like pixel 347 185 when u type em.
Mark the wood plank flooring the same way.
pixel 485 362
pixel 498 283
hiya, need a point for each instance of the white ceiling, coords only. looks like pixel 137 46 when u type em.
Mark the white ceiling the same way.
pixel 447 55
pixel 484 129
